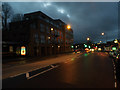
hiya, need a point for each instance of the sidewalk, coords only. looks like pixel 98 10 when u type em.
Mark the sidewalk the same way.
pixel 15 68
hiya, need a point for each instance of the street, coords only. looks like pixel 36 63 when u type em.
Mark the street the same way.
pixel 88 70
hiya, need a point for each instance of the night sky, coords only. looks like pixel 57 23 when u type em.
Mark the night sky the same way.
pixel 87 19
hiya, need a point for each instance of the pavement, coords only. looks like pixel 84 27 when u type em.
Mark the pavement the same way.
pixel 87 70
pixel 23 65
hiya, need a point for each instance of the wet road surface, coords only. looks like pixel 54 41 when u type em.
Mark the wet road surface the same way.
pixel 89 70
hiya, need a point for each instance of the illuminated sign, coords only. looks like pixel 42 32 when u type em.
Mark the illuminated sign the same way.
pixel 23 50
pixel 11 48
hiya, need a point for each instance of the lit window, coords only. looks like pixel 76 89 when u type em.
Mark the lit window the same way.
pixel 11 48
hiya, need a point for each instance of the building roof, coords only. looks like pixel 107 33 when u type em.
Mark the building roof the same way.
pixel 37 13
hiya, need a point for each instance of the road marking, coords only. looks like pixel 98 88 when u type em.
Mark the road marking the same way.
pixel 115 77
pixel 16 75
pixel 42 72
pixel 114 68
pixel 115 74
pixel 52 66
pixel 27 75
pixel 28 71
pixel 115 84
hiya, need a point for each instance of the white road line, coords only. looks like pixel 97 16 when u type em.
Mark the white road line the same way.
pixel 16 75
pixel 115 84
pixel 28 71
pixel 115 77
pixel 52 66
pixel 27 75
pixel 114 68
pixel 115 72
pixel 42 72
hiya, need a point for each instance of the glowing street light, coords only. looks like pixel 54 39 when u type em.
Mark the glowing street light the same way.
pixel 68 27
pixel 51 29
pixel 89 46
pixel 103 34
pixel 72 46
pixel 85 45
pixel 88 39
pixel 48 37
pixel 116 41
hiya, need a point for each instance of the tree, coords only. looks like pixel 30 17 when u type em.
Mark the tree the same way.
pixel 17 17
pixel 6 14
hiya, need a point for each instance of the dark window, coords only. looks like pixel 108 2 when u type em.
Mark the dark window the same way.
pixel 42 28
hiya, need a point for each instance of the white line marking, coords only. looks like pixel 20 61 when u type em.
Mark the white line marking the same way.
pixel 42 72
pixel 115 84
pixel 115 72
pixel 27 75
pixel 115 77
pixel 28 71
pixel 114 68
pixel 52 66
pixel 16 75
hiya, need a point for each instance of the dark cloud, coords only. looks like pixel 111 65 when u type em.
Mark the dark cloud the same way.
pixel 88 19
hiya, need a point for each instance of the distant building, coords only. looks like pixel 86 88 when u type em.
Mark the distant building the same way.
pixel 40 34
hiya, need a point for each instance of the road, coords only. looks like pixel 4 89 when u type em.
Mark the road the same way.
pixel 89 70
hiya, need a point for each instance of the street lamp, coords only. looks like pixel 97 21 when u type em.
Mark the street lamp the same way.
pixel 88 39
pixel 48 37
pixel 68 27
pixel 103 34
pixel 51 29
pixel 116 41
pixel 76 46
